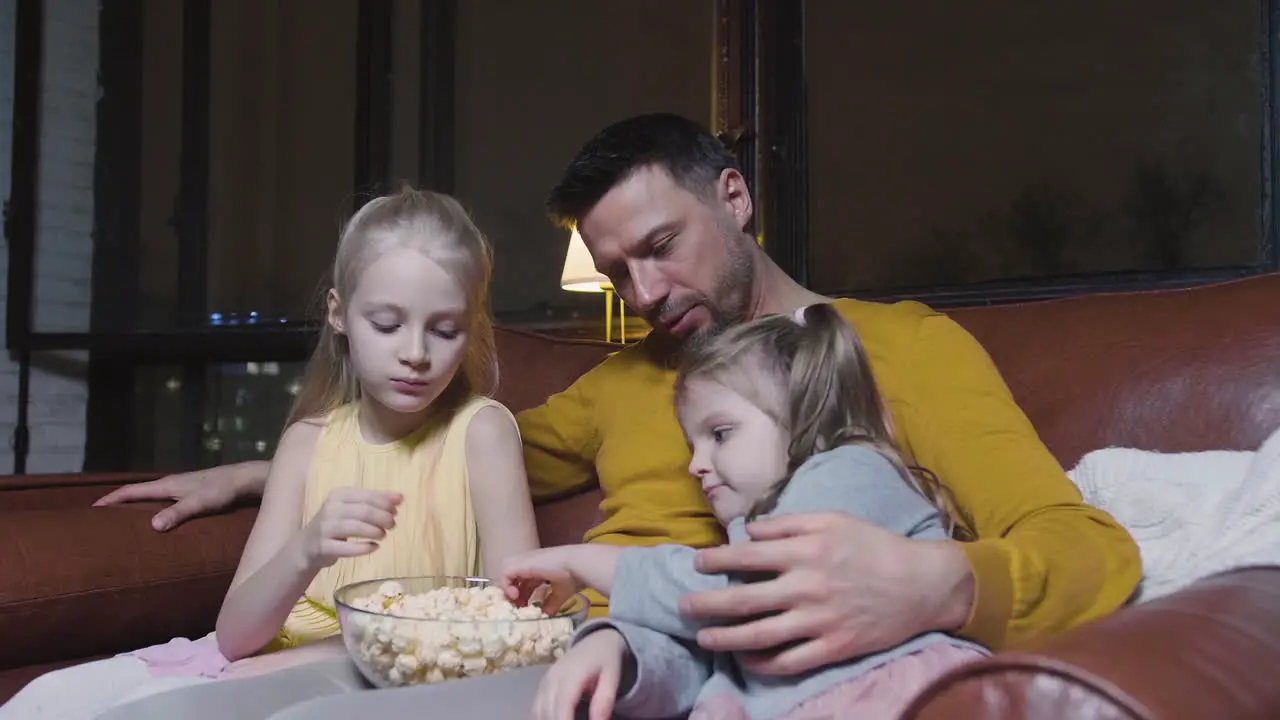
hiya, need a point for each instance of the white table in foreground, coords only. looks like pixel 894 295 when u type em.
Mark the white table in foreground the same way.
pixel 505 695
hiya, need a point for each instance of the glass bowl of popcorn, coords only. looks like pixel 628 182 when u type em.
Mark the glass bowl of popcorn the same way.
pixel 418 630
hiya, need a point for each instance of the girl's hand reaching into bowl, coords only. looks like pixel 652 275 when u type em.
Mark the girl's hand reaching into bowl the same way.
pixel 566 568
pixel 525 574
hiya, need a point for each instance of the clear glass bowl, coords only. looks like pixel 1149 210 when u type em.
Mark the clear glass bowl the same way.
pixel 393 650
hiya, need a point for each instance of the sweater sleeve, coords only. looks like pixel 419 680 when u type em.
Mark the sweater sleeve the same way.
pixel 648 584
pixel 560 442
pixel 1044 560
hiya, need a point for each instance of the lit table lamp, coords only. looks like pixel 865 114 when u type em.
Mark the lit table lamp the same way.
pixel 580 275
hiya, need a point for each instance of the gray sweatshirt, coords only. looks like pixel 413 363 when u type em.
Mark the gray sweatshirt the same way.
pixel 673 673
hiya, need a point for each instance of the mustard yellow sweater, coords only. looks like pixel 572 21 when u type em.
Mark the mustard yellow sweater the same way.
pixel 1043 561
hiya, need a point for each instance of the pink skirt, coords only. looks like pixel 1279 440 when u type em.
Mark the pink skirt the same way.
pixel 881 694
pixel 181 657
pixel 200 658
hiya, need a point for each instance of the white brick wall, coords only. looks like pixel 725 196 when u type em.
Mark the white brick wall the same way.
pixel 64 226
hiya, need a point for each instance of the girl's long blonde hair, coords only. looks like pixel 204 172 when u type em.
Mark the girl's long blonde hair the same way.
pixel 818 386
pixel 439 227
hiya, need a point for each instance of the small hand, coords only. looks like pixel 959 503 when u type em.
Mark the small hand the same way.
pixel 844 588
pixel 594 665
pixel 201 492
pixel 524 574
pixel 349 523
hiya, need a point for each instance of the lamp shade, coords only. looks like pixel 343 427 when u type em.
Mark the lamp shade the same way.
pixel 580 274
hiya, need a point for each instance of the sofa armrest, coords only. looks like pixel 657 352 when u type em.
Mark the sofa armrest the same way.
pixel 82 581
pixel 52 492
pixel 1209 651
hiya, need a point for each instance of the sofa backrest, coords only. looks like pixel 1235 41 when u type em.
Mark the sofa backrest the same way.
pixel 532 367
pixel 1170 370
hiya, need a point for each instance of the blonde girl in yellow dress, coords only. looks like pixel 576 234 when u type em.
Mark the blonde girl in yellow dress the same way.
pixel 394 462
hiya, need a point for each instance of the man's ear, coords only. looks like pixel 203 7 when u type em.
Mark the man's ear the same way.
pixel 734 192
pixel 335 311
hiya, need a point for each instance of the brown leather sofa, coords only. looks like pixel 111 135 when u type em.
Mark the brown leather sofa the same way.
pixel 1176 370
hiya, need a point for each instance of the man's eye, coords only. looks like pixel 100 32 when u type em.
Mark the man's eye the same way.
pixel 385 329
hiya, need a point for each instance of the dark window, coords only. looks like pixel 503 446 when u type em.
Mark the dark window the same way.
pixel 957 144
pixel 954 154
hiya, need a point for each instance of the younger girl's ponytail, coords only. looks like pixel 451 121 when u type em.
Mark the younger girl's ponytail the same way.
pixel 835 401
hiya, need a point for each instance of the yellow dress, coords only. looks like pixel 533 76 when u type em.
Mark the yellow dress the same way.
pixel 435 532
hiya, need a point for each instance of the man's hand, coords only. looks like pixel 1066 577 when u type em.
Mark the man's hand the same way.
pixel 844 588
pixel 202 492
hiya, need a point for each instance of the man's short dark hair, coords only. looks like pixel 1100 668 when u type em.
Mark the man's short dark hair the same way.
pixel 692 156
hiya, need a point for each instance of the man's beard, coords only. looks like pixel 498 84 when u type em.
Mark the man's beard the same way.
pixel 731 301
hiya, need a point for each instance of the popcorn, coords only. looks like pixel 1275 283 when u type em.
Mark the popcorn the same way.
pixel 473 631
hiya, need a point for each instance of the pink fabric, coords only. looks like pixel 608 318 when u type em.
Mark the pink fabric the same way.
pixel 181 657
pixel 881 694
pixel 724 706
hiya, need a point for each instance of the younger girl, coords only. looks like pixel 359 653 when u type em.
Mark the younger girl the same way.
pixel 394 462
pixel 783 416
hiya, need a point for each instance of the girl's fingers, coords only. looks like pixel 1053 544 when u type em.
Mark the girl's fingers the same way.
pixel 347 548
pixel 545 703
pixel 511 590
pixel 570 694
pixel 606 690
pixel 369 514
pixel 520 585
pixel 347 528
pixel 525 589
pixel 540 701
pixel 383 500
pixel 558 596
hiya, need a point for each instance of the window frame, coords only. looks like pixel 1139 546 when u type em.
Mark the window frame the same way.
pixel 114 355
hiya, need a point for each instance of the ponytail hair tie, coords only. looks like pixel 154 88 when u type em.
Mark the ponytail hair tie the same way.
pixel 798 315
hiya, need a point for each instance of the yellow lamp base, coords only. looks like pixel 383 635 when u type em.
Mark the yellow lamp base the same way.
pixel 608 317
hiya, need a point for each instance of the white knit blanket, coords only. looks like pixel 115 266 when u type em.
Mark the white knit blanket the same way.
pixel 1192 514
